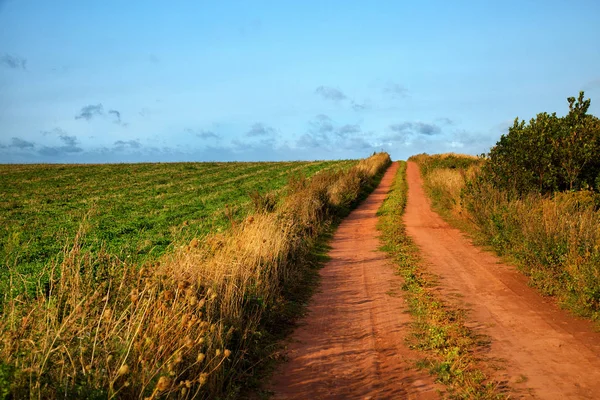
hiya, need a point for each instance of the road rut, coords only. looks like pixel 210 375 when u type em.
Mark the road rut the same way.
pixel 351 345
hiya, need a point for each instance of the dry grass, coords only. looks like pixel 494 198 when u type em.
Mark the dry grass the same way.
pixel 555 240
pixel 445 176
pixel 117 331
pixel 187 327
pixel 447 184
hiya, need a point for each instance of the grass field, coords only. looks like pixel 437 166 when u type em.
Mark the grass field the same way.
pixel 133 211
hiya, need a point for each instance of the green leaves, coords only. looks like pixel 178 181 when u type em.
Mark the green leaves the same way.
pixel 549 153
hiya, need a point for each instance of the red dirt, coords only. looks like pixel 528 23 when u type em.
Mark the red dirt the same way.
pixel 351 344
pixel 544 352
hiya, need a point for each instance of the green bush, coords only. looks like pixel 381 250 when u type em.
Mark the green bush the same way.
pixel 548 154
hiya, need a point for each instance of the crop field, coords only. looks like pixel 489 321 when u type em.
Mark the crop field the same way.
pixel 133 211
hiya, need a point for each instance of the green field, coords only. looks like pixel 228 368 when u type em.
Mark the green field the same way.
pixel 133 211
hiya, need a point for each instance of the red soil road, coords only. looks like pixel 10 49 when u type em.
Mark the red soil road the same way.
pixel 556 354
pixel 351 343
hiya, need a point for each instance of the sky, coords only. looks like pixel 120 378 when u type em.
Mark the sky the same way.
pixel 133 81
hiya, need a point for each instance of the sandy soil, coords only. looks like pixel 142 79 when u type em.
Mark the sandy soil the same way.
pixel 351 344
pixel 545 352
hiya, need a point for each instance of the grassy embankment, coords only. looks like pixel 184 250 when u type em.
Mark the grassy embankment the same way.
pixel 194 323
pixel 439 330
pixel 554 239
pixel 132 211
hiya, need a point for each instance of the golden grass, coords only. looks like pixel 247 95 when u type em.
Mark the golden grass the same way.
pixel 186 327
pixel 555 240
pixel 458 155
pixel 131 332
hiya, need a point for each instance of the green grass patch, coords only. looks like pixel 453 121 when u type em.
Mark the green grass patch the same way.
pixel 449 347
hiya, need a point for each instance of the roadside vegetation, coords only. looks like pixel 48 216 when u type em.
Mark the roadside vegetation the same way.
pixel 535 198
pixel 195 322
pixel 135 212
pixel 451 350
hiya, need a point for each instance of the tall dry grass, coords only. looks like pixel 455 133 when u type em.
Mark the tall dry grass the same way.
pixel 190 326
pixel 445 176
pixel 555 239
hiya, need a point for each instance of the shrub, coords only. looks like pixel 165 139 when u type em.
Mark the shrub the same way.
pixel 548 154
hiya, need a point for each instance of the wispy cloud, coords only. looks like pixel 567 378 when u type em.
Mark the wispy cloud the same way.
pixel 426 129
pixel 348 129
pixel 70 142
pixel 445 121
pixel 322 124
pixel 402 127
pixel 144 112
pixel 70 145
pixel 421 128
pixel 117 115
pixel 395 90
pixel 21 144
pixel 55 131
pixel 330 93
pixel 268 144
pixel 13 62
pixel 359 106
pixel 356 143
pixel 309 141
pixel 395 136
pixel 203 134
pixel 260 129
pixel 318 134
pixel 337 96
pixel 127 144
pixel 325 134
pixel 207 135
pixel 90 111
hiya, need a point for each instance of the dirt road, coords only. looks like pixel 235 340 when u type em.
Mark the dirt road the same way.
pixel 544 351
pixel 351 344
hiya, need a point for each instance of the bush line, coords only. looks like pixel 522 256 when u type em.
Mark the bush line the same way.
pixel 194 325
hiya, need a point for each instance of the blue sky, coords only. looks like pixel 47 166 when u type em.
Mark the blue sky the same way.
pixel 129 81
